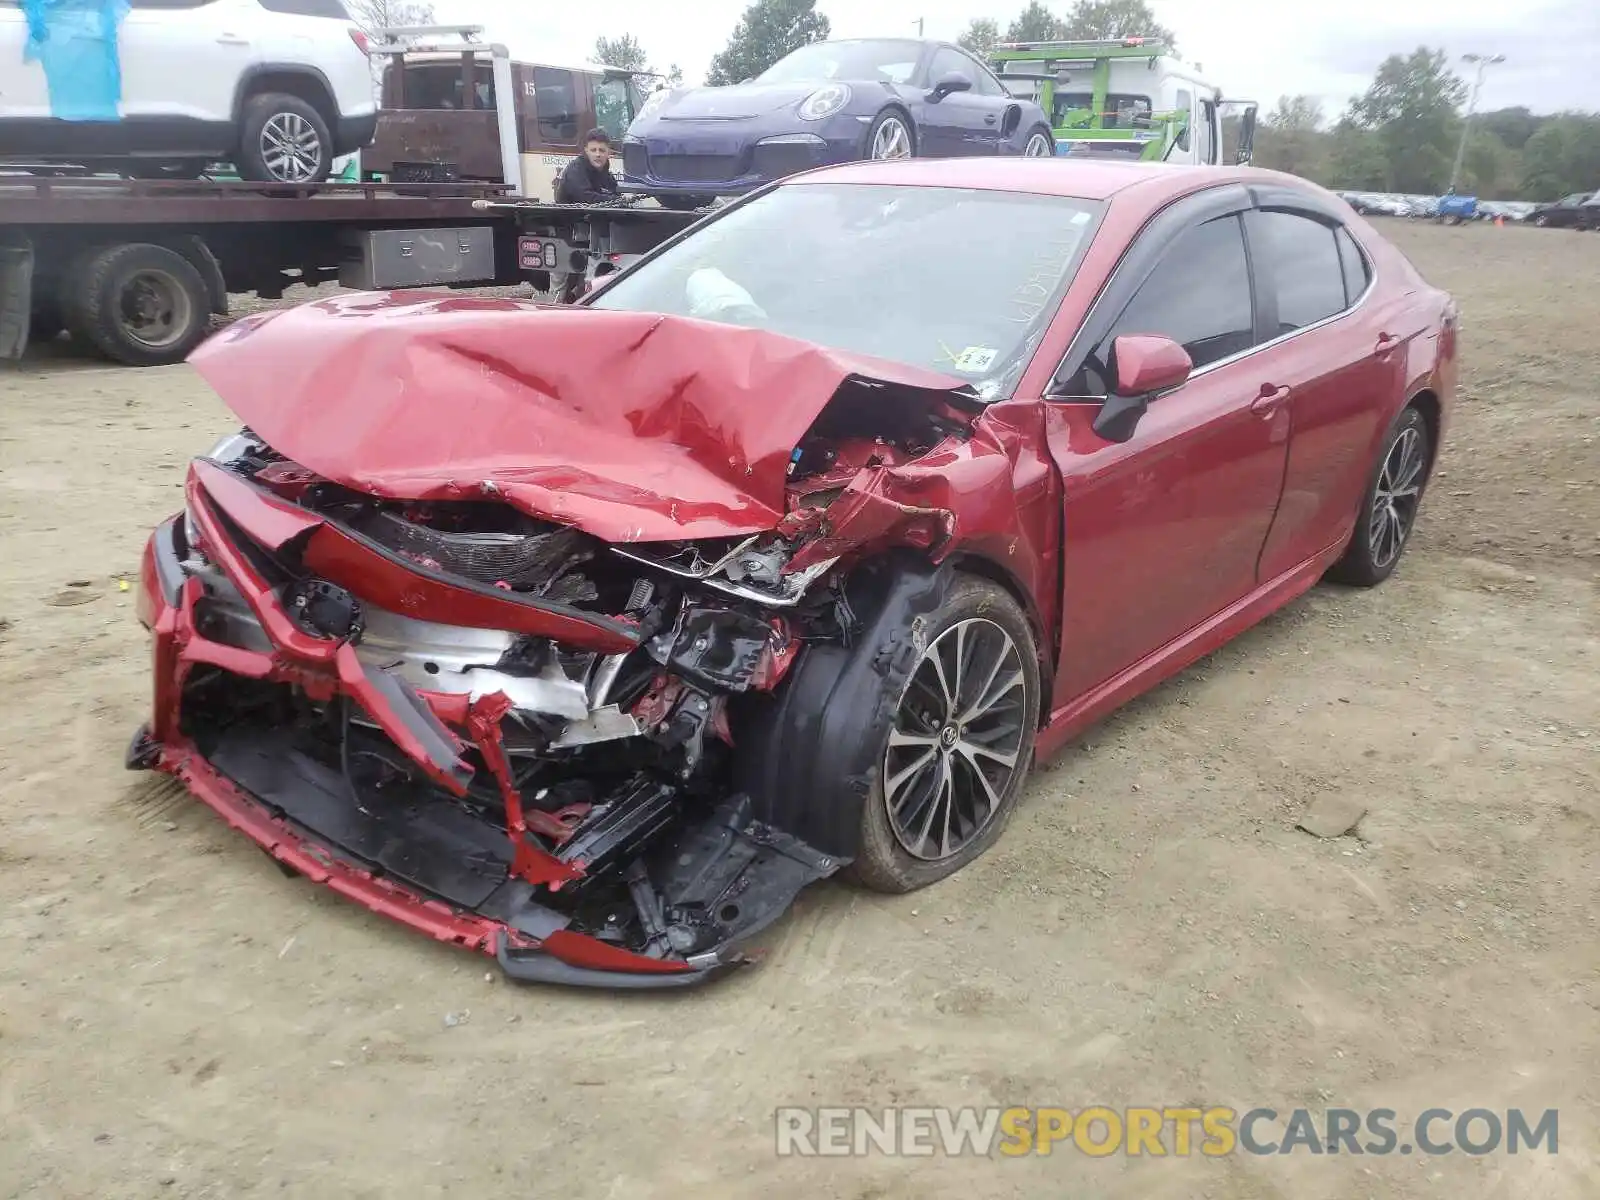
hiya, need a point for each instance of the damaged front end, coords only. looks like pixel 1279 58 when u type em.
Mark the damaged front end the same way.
pixel 543 737
pixel 547 783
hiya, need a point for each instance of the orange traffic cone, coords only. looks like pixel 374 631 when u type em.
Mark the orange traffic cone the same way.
pixel 1499 222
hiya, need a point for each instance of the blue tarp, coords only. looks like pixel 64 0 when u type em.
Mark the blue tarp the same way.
pixel 75 41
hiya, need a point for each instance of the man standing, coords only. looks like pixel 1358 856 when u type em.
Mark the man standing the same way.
pixel 587 179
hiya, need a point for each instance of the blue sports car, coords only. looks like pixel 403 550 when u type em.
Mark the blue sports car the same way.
pixel 828 102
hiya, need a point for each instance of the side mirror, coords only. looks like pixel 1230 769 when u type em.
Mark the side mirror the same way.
pixel 1145 366
pixel 955 81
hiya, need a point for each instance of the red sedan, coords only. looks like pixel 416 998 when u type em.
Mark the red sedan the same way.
pixel 587 637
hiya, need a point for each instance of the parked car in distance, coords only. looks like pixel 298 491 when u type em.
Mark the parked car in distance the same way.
pixel 788 549
pixel 827 102
pixel 1581 210
pixel 280 88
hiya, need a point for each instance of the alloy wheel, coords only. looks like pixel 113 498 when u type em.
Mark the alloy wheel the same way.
pixel 1038 147
pixel 957 741
pixel 1394 502
pixel 892 140
pixel 290 148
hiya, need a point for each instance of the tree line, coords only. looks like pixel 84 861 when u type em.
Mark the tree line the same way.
pixel 1402 133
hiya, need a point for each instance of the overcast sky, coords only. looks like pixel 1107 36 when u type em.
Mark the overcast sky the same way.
pixel 1326 48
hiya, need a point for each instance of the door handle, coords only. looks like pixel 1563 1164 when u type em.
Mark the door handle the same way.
pixel 231 39
pixel 989 120
pixel 1269 400
pixel 1386 343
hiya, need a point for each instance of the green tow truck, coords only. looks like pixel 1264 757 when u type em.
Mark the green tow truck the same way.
pixel 1127 98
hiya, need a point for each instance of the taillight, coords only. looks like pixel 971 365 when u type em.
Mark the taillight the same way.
pixel 360 39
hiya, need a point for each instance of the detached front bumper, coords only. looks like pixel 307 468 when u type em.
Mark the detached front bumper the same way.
pixel 425 863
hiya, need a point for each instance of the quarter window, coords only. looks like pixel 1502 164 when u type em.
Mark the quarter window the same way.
pixel 1198 295
pixel 556 105
pixel 1356 272
pixel 1302 259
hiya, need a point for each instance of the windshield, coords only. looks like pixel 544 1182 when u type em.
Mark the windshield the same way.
pixel 951 279
pixel 890 61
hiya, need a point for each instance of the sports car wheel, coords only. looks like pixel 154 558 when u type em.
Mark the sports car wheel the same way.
pixel 1389 511
pixel 959 743
pixel 1038 145
pixel 891 137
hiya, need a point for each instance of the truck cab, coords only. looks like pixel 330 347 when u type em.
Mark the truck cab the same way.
pixel 439 118
pixel 1127 98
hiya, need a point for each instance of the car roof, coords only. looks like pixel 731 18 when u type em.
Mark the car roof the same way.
pixel 1146 184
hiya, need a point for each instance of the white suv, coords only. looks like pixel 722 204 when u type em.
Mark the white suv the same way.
pixel 280 88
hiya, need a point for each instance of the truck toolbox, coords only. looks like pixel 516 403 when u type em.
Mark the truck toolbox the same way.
pixel 400 258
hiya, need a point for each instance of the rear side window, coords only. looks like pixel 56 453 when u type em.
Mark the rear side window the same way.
pixel 308 8
pixel 1302 259
pixel 1198 295
pixel 1356 272
pixel 555 103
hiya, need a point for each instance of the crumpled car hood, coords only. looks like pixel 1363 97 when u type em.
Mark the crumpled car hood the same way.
pixel 634 427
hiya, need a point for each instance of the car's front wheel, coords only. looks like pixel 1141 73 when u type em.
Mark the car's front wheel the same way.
pixel 1039 144
pixel 959 742
pixel 1389 508
pixel 283 139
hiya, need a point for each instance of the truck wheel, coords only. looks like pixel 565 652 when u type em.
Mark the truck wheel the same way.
pixel 139 304
pixel 282 139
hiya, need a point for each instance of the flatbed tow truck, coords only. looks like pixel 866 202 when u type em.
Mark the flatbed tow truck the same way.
pixel 137 269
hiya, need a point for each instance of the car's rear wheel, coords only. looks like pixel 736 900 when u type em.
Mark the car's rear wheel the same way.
pixel 891 137
pixel 283 139
pixel 1389 508
pixel 1039 144
pixel 959 742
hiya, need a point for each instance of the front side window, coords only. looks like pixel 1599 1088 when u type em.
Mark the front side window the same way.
pixel 555 104
pixel 1198 295
pixel 1301 258
pixel 957 280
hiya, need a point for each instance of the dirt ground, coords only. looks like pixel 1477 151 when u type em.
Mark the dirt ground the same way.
pixel 179 1019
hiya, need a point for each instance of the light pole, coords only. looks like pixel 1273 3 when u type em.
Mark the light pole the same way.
pixel 1483 63
pixel 919 26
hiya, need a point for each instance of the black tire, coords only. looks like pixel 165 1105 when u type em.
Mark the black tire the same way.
pixel 296 120
pixel 138 304
pixel 888 114
pixel 1372 556
pixel 883 862
pixel 1541 220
